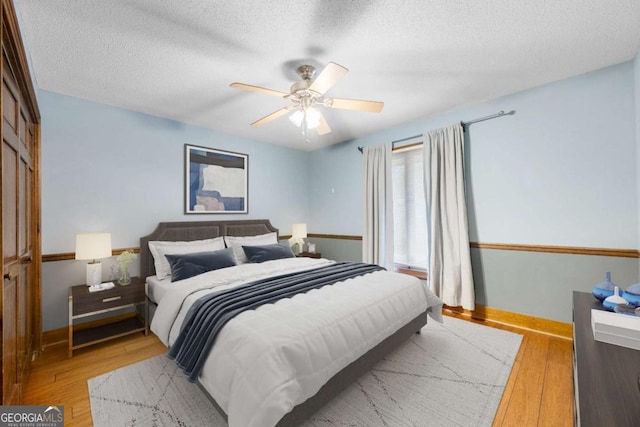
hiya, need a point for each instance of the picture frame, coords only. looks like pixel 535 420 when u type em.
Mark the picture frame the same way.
pixel 216 181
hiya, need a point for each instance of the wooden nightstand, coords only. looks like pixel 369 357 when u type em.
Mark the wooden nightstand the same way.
pixel 83 304
pixel 310 255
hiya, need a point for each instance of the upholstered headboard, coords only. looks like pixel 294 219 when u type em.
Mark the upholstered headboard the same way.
pixel 198 230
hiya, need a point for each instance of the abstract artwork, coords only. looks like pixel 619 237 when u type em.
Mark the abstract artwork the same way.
pixel 216 181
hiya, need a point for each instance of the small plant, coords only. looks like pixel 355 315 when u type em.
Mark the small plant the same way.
pixel 125 259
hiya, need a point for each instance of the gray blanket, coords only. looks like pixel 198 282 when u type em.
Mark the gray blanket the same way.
pixel 209 314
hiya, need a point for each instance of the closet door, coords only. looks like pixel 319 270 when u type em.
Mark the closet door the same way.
pixel 10 252
pixel 20 291
pixel 17 242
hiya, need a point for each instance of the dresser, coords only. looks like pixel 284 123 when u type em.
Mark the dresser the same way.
pixel 606 377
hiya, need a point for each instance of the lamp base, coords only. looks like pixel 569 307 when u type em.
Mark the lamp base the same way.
pixel 297 245
pixel 94 273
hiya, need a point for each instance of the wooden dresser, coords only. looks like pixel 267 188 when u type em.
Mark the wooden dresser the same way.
pixel 606 377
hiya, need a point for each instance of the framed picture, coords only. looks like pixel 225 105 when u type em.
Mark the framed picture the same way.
pixel 216 181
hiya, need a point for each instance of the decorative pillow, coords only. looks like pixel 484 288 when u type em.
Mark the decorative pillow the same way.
pixel 236 242
pixel 268 252
pixel 161 248
pixel 189 265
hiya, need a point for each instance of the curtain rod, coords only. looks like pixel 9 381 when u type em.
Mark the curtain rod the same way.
pixel 464 125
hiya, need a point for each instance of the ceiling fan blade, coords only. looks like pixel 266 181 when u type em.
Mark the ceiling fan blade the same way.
pixel 259 89
pixel 355 104
pixel 272 116
pixel 323 128
pixel 328 77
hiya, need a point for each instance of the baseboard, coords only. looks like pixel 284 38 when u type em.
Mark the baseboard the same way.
pixel 54 337
pixel 524 321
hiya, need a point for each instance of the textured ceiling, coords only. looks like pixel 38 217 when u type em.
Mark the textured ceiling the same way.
pixel 176 59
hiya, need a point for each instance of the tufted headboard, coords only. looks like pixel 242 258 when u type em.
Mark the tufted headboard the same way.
pixel 197 230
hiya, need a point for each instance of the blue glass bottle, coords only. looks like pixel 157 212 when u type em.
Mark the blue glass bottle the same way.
pixel 610 303
pixel 632 295
pixel 604 289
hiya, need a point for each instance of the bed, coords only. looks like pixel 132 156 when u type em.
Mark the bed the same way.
pixel 280 363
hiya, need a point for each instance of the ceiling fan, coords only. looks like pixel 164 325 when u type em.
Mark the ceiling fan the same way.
pixel 307 94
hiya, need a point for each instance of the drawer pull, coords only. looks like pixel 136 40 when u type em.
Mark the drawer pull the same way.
pixel 112 299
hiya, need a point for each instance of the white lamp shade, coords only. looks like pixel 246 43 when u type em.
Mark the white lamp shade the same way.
pixel 93 246
pixel 299 231
pixel 313 118
pixel 310 114
pixel 296 117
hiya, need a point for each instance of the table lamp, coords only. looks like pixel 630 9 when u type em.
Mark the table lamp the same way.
pixel 91 246
pixel 298 234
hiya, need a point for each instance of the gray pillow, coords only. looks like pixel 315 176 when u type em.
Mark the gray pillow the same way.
pixel 184 266
pixel 268 252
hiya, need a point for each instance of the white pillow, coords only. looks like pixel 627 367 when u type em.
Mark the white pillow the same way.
pixel 160 248
pixel 236 242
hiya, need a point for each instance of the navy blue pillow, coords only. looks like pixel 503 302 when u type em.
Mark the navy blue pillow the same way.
pixel 267 252
pixel 184 266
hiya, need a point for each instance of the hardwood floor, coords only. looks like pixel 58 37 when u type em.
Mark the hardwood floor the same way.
pixel 540 388
pixel 539 391
pixel 57 380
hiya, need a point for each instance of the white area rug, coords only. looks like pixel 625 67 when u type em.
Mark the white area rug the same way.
pixel 450 375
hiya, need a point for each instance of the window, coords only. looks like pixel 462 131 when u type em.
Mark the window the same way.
pixel 409 209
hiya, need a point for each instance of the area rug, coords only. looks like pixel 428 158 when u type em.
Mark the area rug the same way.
pixel 452 374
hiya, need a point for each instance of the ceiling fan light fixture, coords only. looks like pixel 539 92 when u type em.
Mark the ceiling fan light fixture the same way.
pixel 311 115
pixel 308 93
pixel 296 117
pixel 313 118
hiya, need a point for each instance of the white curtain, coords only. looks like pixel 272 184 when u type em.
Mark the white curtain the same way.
pixel 377 238
pixel 450 275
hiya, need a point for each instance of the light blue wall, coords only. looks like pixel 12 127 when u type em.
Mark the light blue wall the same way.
pixel 637 96
pixel 114 170
pixel 110 169
pixel 561 171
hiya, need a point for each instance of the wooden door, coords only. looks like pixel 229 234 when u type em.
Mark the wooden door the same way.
pixel 20 291
pixel 10 181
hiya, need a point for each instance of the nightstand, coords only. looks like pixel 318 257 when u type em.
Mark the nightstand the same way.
pixel 310 255
pixel 84 304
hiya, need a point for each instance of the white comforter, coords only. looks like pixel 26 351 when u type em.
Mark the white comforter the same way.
pixel 268 360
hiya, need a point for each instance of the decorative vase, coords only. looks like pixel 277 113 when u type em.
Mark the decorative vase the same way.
pixel 124 279
pixel 604 289
pixel 632 295
pixel 610 303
